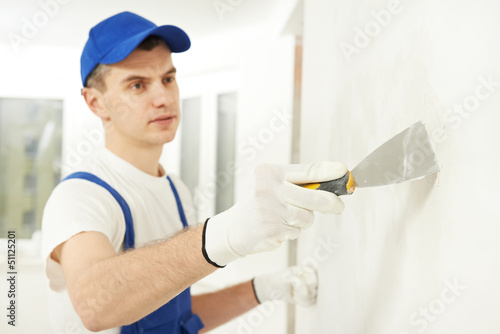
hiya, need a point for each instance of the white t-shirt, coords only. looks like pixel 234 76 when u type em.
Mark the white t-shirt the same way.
pixel 79 205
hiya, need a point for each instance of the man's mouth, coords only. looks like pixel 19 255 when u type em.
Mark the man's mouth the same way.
pixel 163 119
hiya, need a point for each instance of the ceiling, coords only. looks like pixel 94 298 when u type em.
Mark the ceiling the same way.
pixel 70 20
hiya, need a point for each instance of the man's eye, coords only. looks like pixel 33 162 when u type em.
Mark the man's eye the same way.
pixel 137 86
pixel 169 79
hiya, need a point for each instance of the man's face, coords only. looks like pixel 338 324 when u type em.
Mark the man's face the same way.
pixel 142 98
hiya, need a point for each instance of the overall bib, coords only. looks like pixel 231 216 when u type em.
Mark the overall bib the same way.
pixel 175 317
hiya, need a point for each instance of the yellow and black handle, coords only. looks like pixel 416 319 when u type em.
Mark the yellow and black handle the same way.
pixel 342 186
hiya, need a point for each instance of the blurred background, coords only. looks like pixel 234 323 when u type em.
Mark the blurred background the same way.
pixel 236 85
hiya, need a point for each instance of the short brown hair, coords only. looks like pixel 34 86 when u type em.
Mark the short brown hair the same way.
pixel 96 77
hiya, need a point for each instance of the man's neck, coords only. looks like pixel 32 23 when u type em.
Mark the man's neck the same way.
pixel 144 158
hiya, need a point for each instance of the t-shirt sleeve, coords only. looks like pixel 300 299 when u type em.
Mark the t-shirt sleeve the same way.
pixel 76 206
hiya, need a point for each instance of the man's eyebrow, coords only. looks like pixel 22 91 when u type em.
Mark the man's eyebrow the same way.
pixel 170 71
pixel 134 77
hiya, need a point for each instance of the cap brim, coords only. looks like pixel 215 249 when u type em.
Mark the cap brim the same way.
pixel 176 39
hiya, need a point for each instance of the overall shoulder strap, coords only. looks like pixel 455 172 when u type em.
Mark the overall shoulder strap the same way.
pixel 129 224
pixel 179 204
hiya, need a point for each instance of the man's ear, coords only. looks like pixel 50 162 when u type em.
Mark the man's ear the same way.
pixel 95 100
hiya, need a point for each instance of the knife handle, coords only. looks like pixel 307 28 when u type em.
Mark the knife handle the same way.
pixel 342 186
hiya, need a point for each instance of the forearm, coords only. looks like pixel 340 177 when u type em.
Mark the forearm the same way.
pixel 219 307
pixel 124 288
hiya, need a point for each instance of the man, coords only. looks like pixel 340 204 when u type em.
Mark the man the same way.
pixel 120 253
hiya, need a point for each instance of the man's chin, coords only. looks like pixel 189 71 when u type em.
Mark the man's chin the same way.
pixel 166 138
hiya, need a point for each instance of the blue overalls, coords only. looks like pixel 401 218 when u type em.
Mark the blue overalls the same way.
pixel 175 317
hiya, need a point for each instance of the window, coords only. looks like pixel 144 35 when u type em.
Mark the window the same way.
pixel 30 142
pixel 207 159
pixel 29 184
pixel 29 220
pixel 190 142
pixel 226 137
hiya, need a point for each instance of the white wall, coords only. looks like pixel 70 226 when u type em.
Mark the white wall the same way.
pixel 390 258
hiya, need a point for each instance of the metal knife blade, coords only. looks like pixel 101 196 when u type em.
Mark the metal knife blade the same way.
pixel 406 156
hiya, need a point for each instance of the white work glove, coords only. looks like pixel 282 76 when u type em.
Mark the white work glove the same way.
pixel 295 285
pixel 276 211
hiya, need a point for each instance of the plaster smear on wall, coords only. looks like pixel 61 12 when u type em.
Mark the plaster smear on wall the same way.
pixel 419 257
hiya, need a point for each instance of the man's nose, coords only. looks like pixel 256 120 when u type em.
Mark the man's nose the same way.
pixel 162 96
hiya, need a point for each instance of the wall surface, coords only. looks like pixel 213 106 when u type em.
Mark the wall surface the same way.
pixel 419 257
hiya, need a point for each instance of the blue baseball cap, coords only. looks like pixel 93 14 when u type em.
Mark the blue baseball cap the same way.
pixel 113 39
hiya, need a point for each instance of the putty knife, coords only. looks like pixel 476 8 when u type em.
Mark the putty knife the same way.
pixel 406 156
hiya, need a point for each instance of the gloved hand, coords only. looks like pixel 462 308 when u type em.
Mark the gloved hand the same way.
pixel 296 285
pixel 276 211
